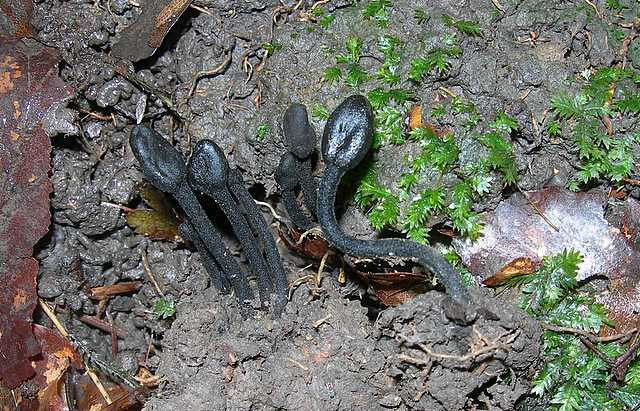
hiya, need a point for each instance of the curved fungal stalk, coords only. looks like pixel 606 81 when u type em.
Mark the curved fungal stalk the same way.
pixel 188 232
pixel 286 176
pixel 259 226
pixel 164 167
pixel 209 173
pixel 346 140
pixel 300 138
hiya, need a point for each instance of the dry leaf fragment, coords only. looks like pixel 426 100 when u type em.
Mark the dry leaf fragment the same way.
pixel 515 230
pixel 519 266
pixel 415 117
pixel 141 39
pixel 159 222
pixel 15 18
pixel 29 86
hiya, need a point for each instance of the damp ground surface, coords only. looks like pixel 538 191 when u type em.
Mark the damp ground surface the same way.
pixel 332 348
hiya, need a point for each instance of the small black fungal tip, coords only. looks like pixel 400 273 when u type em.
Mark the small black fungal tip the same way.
pixel 348 134
pixel 299 135
pixel 286 174
pixel 161 163
pixel 208 167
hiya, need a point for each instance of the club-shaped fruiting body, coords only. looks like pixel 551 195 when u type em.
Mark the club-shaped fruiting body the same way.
pixel 299 135
pixel 208 173
pixel 348 133
pixel 161 163
pixel 347 138
pixel 164 167
pixel 295 166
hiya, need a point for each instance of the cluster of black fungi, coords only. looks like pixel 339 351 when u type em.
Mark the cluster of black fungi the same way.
pixel 346 140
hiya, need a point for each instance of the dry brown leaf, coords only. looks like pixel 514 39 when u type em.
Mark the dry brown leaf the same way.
pixel 519 266
pixel 29 86
pixel 17 18
pixel 415 117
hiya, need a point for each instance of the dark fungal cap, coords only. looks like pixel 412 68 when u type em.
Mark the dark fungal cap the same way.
pixel 349 133
pixel 208 167
pixel 286 174
pixel 161 163
pixel 298 133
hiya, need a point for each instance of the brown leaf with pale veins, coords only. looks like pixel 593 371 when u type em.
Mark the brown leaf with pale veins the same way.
pixel 392 283
pixel 29 86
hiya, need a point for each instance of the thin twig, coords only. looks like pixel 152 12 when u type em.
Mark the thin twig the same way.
pixel 497 5
pixel 147 270
pixel 201 9
pixel 481 347
pixel 321 269
pixel 313 230
pixel 321 321
pixel 121 207
pixel 102 325
pixel 590 336
pixel 537 209
pixel 595 8
pixel 208 73
pixel 413 360
pixel 294 362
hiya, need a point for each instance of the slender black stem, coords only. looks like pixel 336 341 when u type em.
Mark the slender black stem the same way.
pixel 297 216
pixel 188 232
pixel 308 184
pixel 213 242
pixel 427 256
pixel 288 177
pixel 259 226
pixel 243 233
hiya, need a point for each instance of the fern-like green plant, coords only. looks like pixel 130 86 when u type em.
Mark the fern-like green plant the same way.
pixel 421 208
pixel 332 74
pixel 437 60
pixel 606 93
pixel 421 16
pixel 573 376
pixel 378 10
pixel 383 207
pixel 468 27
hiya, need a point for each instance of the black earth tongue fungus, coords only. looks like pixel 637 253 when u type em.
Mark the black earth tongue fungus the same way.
pixel 188 232
pixel 286 176
pixel 209 173
pixel 261 229
pixel 164 167
pixel 346 140
pixel 300 138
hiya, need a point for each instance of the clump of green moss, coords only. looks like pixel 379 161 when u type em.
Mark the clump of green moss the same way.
pixel 410 202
